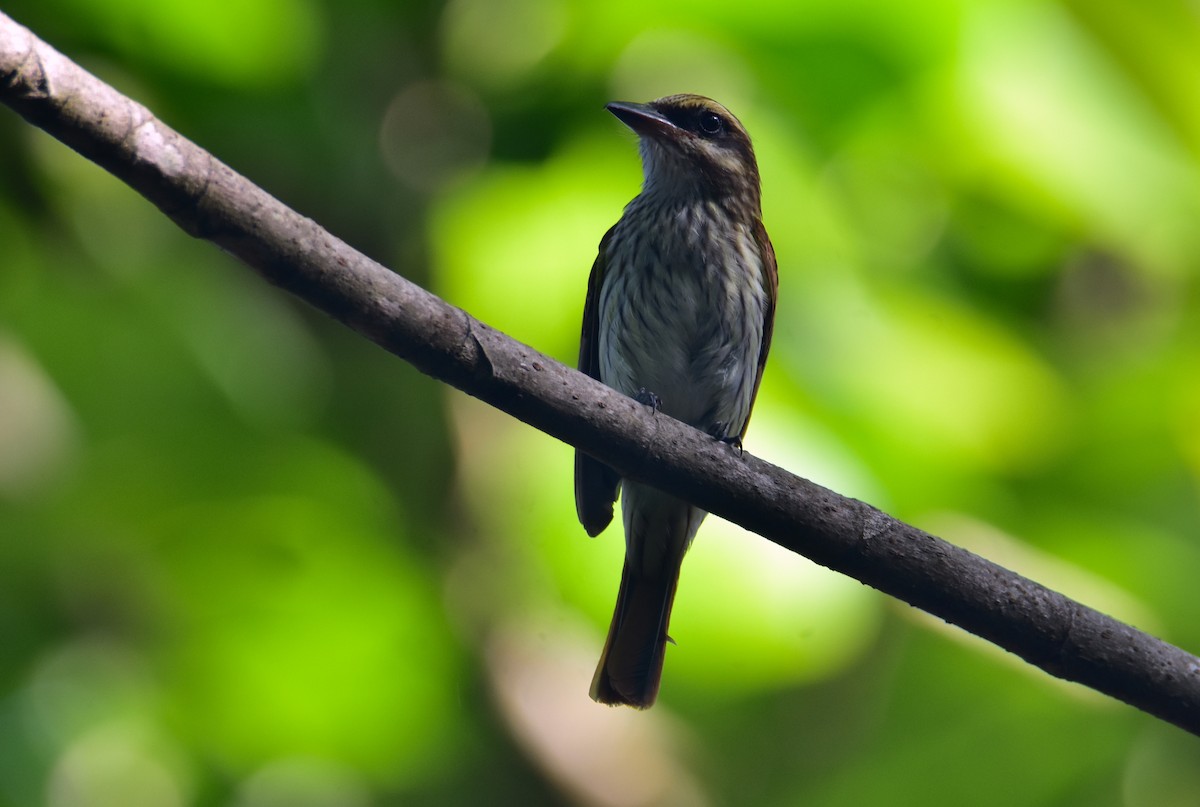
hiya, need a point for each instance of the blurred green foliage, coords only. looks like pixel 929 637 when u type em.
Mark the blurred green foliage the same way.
pixel 248 559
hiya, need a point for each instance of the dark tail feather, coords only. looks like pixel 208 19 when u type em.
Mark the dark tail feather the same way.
pixel 631 665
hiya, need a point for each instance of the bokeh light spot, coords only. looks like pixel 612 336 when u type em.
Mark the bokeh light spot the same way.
pixel 434 132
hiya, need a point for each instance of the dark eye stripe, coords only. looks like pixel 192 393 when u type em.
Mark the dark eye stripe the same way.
pixel 702 121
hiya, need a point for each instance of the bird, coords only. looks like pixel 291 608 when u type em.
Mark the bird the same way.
pixel 679 315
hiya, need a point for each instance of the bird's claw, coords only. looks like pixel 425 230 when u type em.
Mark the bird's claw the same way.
pixel 647 398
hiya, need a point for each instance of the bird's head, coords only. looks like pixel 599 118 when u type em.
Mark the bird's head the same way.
pixel 692 145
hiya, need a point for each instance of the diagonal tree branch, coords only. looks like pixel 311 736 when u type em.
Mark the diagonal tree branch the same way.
pixel 209 200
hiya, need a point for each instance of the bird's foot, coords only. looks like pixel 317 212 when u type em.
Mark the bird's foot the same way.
pixel 647 398
pixel 718 432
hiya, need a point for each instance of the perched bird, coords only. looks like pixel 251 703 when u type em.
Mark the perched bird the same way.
pixel 679 313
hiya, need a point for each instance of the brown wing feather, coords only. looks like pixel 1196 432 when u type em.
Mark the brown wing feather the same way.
pixel 771 281
pixel 595 483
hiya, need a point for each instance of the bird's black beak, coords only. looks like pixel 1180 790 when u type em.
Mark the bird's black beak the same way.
pixel 643 119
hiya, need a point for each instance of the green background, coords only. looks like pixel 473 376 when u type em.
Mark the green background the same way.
pixel 249 559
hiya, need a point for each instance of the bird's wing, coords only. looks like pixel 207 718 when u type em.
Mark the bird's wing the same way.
pixel 595 483
pixel 770 270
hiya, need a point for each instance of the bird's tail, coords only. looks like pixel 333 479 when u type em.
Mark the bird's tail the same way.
pixel 631 665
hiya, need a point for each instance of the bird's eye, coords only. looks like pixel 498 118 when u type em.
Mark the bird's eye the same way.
pixel 711 123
